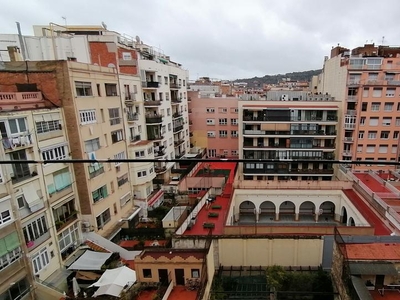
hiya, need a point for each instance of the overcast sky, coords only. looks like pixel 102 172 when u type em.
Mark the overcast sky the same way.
pixel 226 39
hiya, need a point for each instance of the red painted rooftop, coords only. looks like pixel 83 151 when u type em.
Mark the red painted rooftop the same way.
pixel 224 201
pixel 373 184
pixel 375 251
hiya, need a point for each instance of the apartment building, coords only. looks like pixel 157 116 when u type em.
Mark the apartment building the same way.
pixel 287 125
pixel 40 213
pixel 367 80
pixel 214 124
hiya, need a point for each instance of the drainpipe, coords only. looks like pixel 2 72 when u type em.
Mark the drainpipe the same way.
pixel 21 41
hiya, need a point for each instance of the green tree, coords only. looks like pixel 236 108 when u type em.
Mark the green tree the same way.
pixel 276 276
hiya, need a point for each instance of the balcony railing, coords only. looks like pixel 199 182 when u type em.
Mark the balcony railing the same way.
pixel 177 115
pixel 348 139
pixel 154 119
pixel 289 119
pixel 176 100
pixel 179 142
pixel 174 85
pixel 352 98
pixel 23 171
pixel 351 112
pixel 292 146
pixel 61 223
pixel 130 98
pixel 155 137
pixel 292 132
pixel 152 103
pixel 14 142
pixel 347 153
pixel 350 126
pixel 135 138
pixel 159 153
pixel 24 96
pixel 178 128
pixel 132 116
pixel 150 84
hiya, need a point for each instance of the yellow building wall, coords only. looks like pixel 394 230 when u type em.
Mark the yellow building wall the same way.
pixel 266 252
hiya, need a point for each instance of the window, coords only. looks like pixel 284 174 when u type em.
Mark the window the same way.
pixel 372 76
pixel 140 154
pixel 210 122
pixel 5 216
pixel 100 193
pixel 234 133
pixel 372 135
pixel 61 181
pixel 40 260
pixel 359 148
pixel 122 180
pixel 223 110
pixel 396 135
pixel 103 218
pixel 390 92
pixel 364 106
pixel 35 229
pixel 147 273
pixel 223 121
pixel 184 82
pixel 223 133
pixel 383 149
pixel 68 237
pixel 361 135
pixel 117 136
pixel 373 121
pixel 120 155
pixel 165 80
pixel 168 111
pixel 375 106
pixel 169 126
pixel 234 110
pixel 141 174
pixel 83 89
pixel 57 153
pixel 95 169
pixel 92 145
pixel 125 199
pixel 377 92
pixel 386 121
pixel 126 56
pixel 394 148
pixel 87 116
pixel 114 116
pixel 21 202
pixel 195 273
pixel 111 89
pixel 47 126
pixel 397 121
pixel 234 121
pixel 398 106
pixel 365 92
pixel 388 106
pixel 211 133
pixel 17 290
pixel 362 121
pixel 370 148
pixel 235 152
pixel 385 134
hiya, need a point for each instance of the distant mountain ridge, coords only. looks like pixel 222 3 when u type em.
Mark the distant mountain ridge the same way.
pixel 272 79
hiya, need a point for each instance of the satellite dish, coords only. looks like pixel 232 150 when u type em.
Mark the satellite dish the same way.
pixel 104 25
pixel 137 38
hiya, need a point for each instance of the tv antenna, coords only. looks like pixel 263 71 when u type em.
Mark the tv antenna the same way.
pixel 65 20
pixel 383 40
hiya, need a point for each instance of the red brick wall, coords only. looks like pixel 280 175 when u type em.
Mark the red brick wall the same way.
pixel 101 55
pixel 46 83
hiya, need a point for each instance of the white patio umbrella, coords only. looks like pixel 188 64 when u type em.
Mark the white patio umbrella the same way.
pixel 75 287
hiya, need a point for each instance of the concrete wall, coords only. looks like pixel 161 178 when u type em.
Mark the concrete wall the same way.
pixel 266 252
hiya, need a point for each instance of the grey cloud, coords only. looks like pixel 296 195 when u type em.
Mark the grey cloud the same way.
pixel 226 39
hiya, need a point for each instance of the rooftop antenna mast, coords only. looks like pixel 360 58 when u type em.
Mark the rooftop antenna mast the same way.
pixel 65 20
pixel 383 40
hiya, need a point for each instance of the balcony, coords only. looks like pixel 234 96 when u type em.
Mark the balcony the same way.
pixel 154 119
pixel 351 112
pixel 352 98
pixel 347 153
pixel 290 133
pixel 349 126
pixel 130 99
pixel 179 155
pixel 289 147
pixel 176 100
pixel 38 241
pixel 177 115
pixel 348 139
pixel 353 82
pixel 22 172
pixel 132 117
pixel 152 103
pixel 177 128
pixel 393 82
pixel 155 137
pixel 159 153
pixel 160 170
pixel 174 85
pixel 12 264
pixel 250 118
pixel 16 142
pixel 135 138
pixel 150 84
pixel 179 142
pixel 20 97
pixel 57 195
pixel 66 220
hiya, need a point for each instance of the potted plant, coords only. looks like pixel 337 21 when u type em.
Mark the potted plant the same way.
pixel 370 285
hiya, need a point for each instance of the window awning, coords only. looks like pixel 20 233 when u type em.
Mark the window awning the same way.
pixel 31 196
pixel 372 268
pixel 90 260
pixel 134 214
pixel 163 60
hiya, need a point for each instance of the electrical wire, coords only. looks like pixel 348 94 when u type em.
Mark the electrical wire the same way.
pixel 191 160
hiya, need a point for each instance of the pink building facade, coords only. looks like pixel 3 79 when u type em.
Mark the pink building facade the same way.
pixel 214 124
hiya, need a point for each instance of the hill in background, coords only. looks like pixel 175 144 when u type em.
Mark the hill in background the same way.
pixel 272 79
